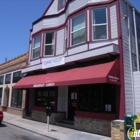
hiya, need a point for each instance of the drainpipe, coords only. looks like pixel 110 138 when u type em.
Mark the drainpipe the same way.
pixel 136 40
pixel 131 68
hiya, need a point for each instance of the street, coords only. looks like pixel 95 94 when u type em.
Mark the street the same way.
pixel 10 132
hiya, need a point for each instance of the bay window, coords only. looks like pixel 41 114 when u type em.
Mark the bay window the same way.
pixel 36 46
pixel 99 24
pixel 49 43
pixel 78 29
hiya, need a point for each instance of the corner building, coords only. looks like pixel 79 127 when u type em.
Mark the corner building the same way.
pixel 82 57
pixel 12 100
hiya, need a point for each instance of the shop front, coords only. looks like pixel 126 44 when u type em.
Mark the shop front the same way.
pixel 88 96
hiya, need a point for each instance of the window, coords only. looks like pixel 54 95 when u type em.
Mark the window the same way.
pixel 45 97
pixel 1 80
pixel 0 96
pixel 16 99
pixel 78 29
pixel 36 46
pixel 97 98
pixel 61 4
pixel 66 38
pixel 49 43
pixel 8 79
pixel 99 24
pixel 17 76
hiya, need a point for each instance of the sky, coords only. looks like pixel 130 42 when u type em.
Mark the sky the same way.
pixel 16 18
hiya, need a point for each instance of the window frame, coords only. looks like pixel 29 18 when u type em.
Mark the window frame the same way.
pixel 53 44
pixel 71 26
pixel 2 77
pixel 6 78
pixel 39 46
pixel 59 8
pixel 102 24
pixel 18 78
pixel 16 94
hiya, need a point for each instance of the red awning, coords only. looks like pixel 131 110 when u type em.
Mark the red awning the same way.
pixel 102 73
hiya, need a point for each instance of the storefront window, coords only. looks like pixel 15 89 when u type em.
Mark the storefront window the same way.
pixel 16 99
pixel 0 96
pixel 17 76
pixel 8 79
pixel 1 80
pixel 97 98
pixel 45 97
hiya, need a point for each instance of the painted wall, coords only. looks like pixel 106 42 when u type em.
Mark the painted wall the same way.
pixel 62 104
pixel 127 28
pixel 137 90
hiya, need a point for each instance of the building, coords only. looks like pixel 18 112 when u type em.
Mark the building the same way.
pixel 12 100
pixel 82 58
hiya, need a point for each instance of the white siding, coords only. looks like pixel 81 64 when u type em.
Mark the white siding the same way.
pixel 73 6
pixel 78 49
pixel 53 8
pixel 126 60
pixel 94 45
pixel 136 76
pixel 60 42
pixel 113 19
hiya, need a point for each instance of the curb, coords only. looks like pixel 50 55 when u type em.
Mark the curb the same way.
pixel 30 130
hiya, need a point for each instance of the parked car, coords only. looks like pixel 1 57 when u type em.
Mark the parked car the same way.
pixel 1 116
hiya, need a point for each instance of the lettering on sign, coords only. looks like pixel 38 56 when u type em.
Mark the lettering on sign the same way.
pixel 38 85
pixel 53 62
pixel 50 84
pixel 113 78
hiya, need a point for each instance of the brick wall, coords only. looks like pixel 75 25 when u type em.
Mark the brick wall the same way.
pixel 97 126
pixel 41 116
pixel 15 111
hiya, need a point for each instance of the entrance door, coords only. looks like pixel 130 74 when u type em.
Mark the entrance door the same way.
pixel 72 102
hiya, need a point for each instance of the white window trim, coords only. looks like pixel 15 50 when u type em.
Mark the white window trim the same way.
pixel 53 44
pixel 93 25
pixel 33 48
pixel 76 30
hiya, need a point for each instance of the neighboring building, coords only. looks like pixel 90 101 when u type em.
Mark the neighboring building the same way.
pixel 82 56
pixel 12 100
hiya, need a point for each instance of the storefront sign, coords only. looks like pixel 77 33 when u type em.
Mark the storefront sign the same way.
pixel 53 62
pixel 38 85
pixel 50 84
pixel 113 78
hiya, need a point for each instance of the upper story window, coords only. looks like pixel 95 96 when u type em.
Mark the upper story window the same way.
pixel 78 29
pixel 1 80
pixel 17 76
pixel 8 79
pixel 99 24
pixel 36 46
pixel 49 44
pixel 61 4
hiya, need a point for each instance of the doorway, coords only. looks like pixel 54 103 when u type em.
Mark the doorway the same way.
pixel 72 102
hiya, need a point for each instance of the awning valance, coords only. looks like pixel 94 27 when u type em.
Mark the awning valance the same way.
pixel 101 73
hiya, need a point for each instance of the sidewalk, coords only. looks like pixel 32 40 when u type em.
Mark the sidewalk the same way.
pixel 55 132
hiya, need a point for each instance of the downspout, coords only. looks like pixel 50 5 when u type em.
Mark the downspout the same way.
pixel 136 40
pixel 130 54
